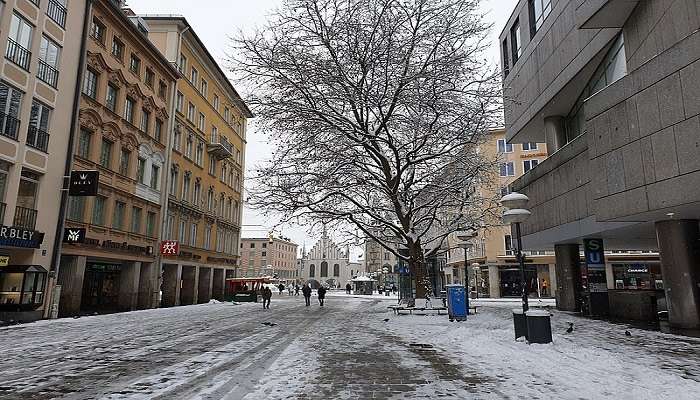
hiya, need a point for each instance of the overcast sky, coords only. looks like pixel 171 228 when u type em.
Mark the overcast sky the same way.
pixel 216 20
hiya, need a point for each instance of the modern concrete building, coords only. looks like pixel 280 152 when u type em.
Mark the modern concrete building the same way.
pixel 205 168
pixel 39 79
pixel 492 266
pixel 268 256
pixel 613 88
pixel 123 119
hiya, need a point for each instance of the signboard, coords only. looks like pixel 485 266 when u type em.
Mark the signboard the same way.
pixel 4 261
pixel 20 237
pixel 169 247
pixel 83 183
pixel 595 265
pixel 74 235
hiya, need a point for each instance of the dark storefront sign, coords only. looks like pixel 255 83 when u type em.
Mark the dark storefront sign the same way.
pixel 120 246
pixel 20 237
pixel 84 183
pixel 74 235
pixel 217 260
pixel 169 247
pixel 594 279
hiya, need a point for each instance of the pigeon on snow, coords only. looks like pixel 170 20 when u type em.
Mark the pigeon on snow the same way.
pixel 570 328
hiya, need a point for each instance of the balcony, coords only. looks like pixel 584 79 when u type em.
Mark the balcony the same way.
pixel 25 218
pixel 37 139
pixel 9 126
pixel 57 12
pixel 47 73
pixel 18 54
pixel 220 147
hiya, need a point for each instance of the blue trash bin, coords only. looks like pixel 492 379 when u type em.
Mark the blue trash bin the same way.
pixel 457 302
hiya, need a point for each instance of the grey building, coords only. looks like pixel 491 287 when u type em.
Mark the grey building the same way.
pixel 613 88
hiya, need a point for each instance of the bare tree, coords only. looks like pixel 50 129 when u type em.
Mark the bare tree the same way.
pixel 376 109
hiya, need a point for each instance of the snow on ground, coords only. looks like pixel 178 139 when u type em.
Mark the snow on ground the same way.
pixel 353 348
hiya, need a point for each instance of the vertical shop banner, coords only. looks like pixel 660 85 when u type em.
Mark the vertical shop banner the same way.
pixel 595 279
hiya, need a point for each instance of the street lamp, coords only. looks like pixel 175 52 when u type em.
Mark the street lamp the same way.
pixel 466 236
pixel 516 213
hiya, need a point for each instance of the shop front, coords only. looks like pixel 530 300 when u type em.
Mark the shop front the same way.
pixel 637 293
pixel 537 279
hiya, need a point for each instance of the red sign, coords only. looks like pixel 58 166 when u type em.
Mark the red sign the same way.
pixel 169 247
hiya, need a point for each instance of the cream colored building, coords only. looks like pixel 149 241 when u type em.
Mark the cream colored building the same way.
pixel 41 43
pixel 268 256
pixel 327 264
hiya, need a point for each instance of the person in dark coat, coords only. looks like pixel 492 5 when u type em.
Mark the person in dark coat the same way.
pixel 296 290
pixel 306 291
pixel 281 288
pixel 321 295
pixel 348 288
pixel 266 295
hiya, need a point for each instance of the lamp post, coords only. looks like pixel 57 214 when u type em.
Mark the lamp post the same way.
pixel 516 213
pixel 466 236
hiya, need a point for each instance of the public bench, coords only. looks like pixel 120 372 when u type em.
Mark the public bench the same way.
pixel 398 309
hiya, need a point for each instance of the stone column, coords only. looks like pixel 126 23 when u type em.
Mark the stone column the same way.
pixel 148 281
pixel 204 284
pixel 679 247
pixel 555 134
pixel 552 280
pixel 568 271
pixel 218 279
pixel 494 282
pixel 70 277
pixel 172 276
pixel 129 286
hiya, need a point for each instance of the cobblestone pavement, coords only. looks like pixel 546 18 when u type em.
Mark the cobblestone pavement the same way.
pixel 345 350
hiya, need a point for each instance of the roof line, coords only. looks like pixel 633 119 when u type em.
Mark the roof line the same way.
pixel 165 17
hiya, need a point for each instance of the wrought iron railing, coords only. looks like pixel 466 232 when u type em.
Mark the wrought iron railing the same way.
pixel 25 218
pixel 47 73
pixel 57 12
pixel 18 54
pixel 9 126
pixel 37 138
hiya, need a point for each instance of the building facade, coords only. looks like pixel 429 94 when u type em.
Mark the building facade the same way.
pixel 273 256
pixel 492 268
pixel 205 168
pixel 611 87
pixel 39 77
pixel 327 264
pixel 123 118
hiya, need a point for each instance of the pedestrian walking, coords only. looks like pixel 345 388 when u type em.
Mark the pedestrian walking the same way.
pixel 281 288
pixel 321 295
pixel 393 288
pixel 306 290
pixel 296 290
pixel 266 295
pixel 289 289
pixel 348 288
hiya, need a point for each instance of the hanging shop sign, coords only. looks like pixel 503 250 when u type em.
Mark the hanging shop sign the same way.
pixel 74 235
pixel 20 237
pixel 169 247
pixel 4 261
pixel 595 265
pixel 84 183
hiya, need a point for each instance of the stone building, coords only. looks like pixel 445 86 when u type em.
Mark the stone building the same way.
pixel 205 168
pixel 327 264
pixel 268 256
pixel 125 98
pixel 39 80
pixel 612 88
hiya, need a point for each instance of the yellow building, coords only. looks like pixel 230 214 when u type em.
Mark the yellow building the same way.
pixel 206 162
pixel 491 261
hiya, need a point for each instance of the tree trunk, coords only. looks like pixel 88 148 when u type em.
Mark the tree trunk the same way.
pixel 417 266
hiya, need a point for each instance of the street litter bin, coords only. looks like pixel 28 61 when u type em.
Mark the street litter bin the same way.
pixel 539 327
pixel 520 323
pixel 457 303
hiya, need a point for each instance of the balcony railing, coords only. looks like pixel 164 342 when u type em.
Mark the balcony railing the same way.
pixel 9 126
pixel 37 138
pixel 25 218
pixel 18 54
pixel 220 147
pixel 57 12
pixel 47 73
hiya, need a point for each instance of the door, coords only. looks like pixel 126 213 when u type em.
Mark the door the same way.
pixel 101 288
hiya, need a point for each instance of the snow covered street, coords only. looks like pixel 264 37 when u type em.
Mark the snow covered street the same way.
pixel 345 350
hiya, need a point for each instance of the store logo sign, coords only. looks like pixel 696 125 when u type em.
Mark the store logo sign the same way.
pixel 169 247
pixel 84 183
pixel 74 235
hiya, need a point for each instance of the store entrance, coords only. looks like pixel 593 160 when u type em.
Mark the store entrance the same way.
pixel 101 288
pixel 510 280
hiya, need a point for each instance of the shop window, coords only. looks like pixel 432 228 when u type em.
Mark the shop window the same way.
pixel 637 276
pixel 22 287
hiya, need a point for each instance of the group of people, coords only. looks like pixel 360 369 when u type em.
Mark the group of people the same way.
pixel 266 294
